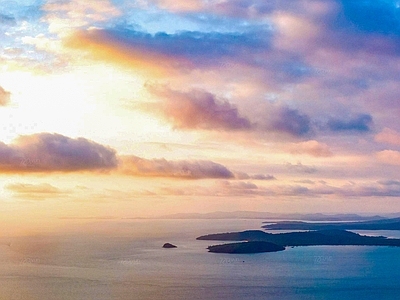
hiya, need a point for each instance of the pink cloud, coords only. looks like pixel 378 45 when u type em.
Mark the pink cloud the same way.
pixel 388 136
pixel 197 109
pixel 189 169
pixel 312 148
pixel 181 5
pixel 389 157
pixel 226 188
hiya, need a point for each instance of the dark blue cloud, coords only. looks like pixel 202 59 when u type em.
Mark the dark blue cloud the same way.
pixel 7 20
pixel 361 123
pixel 389 182
pixel 291 121
pixel 194 45
pixel 194 49
pixel 289 69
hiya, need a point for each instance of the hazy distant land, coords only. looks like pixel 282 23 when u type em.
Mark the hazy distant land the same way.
pixel 269 215
pixel 383 224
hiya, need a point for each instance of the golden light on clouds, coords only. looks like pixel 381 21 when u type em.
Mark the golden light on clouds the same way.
pixel 98 46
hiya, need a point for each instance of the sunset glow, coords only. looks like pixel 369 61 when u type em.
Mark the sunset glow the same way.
pixel 146 108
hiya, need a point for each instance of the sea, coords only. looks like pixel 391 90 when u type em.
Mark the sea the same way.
pixel 124 259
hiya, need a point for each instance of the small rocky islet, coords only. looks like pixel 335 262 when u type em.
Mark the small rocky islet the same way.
pixel 169 246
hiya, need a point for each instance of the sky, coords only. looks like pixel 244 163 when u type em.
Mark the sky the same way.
pixel 117 108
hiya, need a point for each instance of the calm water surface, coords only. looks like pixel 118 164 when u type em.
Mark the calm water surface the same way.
pixel 123 259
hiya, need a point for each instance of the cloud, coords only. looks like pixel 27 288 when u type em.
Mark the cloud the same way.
pixel 43 188
pixel 255 9
pixel 7 20
pixel 180 6
pixel 227 188
pixel 269 52
pixel 34 191
pixel 305 181
pixel 221 188
pixel 360 123
pixel 320 189
pixel 290 121
pixel 243 176
pixel 300 168
pixel 262 177
pixel 189 169
pixel 46 152
pixel 389 157
pixel 197 109
pixel 374 189
pixel 169 52
pixel 65 15
pixel 312 148
pixel 389 182
pixel 388 136
pixel 4 97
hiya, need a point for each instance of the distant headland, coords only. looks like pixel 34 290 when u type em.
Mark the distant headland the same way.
pixel 382 224
pixel 308 238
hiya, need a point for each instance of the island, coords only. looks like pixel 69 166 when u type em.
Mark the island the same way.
pixel 246 247
pixel 308 238
pixel 169 246
pixel 383 224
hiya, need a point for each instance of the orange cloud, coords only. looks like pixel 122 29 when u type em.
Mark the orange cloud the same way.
pixel 34 191
pixel 312 148
pixel 4 97
pixel 181 5
pixel 103 46
pixel 43 188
